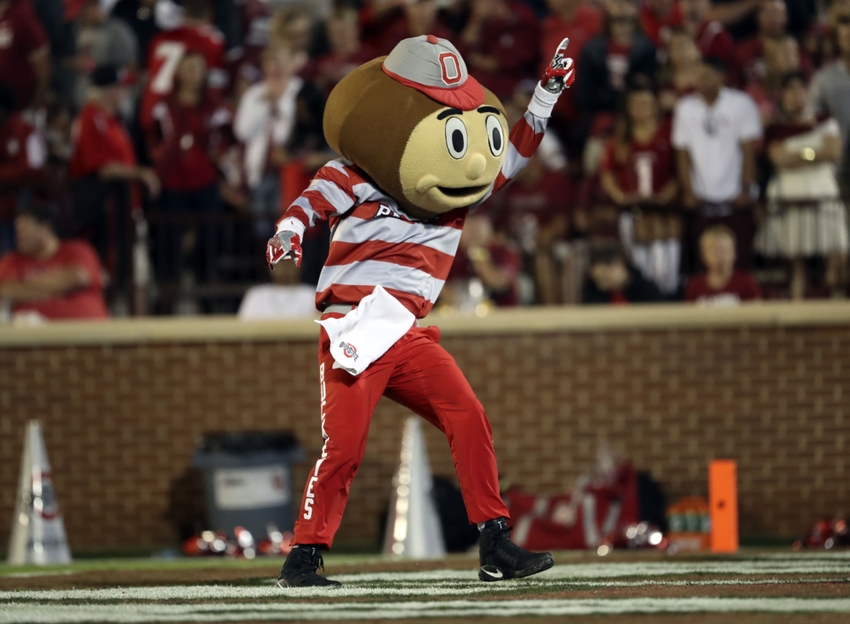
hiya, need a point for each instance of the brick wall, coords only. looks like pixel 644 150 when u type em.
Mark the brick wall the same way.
pixel 121 421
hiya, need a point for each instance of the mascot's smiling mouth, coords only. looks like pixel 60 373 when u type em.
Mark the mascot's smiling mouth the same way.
pixel 462 191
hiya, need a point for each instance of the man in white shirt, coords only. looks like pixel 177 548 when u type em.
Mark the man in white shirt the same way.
pixel 285 298
pixel 716 132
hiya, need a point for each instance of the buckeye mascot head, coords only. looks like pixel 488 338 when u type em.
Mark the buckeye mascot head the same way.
pixel 425 131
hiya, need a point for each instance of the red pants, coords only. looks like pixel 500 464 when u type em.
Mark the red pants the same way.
pixel 420 375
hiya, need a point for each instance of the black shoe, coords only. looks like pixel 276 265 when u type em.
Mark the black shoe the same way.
pixel 502 559
pixel 299 569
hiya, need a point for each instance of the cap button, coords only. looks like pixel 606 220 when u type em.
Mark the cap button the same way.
pixel 433 39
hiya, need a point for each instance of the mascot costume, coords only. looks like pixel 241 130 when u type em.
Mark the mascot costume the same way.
pixel 423 143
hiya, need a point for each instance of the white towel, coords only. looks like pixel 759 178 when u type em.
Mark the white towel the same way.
pixel 367 332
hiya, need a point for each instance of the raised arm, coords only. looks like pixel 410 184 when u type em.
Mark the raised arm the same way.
pixel 527 133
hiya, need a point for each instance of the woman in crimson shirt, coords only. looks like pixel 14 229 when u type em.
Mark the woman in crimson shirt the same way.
pixel 638 175
pixel 190 132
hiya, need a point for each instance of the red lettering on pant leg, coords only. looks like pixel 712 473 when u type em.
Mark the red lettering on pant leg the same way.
pixel 347 404
pixel 309 495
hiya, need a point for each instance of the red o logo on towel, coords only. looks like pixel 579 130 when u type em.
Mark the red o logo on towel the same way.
pixel 450 68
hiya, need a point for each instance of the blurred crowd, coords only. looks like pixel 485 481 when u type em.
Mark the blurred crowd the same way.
pixel 148 146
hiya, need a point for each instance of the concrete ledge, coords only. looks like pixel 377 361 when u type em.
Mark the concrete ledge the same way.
pixel 511 321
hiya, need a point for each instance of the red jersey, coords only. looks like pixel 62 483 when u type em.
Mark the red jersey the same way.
pixel 23 155
pixel 585 24
pixel 185 142
pixel 740 287
pixel 647 168
pixel 657 28
pixel 99 139
pixel 164 55
pixel 83 303
pixel 21 35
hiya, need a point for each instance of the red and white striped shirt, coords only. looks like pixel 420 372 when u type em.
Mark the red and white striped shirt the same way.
pixel 374 242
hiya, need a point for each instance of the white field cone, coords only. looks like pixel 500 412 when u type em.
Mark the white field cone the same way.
pixel 38 533
pixel 413 526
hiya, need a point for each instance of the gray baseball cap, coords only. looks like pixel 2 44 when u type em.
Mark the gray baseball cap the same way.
pixel 434 67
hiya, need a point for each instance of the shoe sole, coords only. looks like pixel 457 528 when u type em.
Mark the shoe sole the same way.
pixel 283 584
pixel 492 574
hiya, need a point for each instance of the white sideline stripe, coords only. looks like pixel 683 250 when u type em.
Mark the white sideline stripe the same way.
pixel 16 612
pixel 223 592
pixel 615 570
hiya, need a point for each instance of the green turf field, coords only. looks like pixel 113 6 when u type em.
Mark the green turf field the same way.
pixel 753 587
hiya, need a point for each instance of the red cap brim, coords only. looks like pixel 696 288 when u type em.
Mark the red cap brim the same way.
pixel 467 97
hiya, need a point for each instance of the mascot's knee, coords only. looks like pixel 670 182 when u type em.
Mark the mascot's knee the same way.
pixel 469 416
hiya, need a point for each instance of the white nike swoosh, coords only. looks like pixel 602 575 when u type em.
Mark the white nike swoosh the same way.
pixel 496 575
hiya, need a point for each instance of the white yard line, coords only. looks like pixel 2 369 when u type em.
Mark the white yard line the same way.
pixel 282 611
pixel 625 569
pixel 403 588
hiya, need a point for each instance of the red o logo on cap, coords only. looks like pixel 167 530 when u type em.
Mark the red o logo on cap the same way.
pixel 450 68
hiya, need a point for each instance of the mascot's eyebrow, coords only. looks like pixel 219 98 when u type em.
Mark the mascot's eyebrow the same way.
pixel 489 109
pixel 449 111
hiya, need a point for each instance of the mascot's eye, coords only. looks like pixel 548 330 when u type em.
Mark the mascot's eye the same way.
pixel 496 135
pixel 456 137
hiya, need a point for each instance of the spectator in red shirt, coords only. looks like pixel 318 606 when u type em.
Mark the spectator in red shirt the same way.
pixel 190 133
pixel 658 18
pixel 500 44
pixel 484 269
pixel 346 54
pixel 168 47
pixel 722 283
pixel 104 172
pixel 22 158
pixel 712 38
pixel 24 53
pixel 612 280
pixel 55 279
pixel 638 174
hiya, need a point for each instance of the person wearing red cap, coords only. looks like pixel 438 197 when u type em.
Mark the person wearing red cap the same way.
pixel 423 143
pixel 104 171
